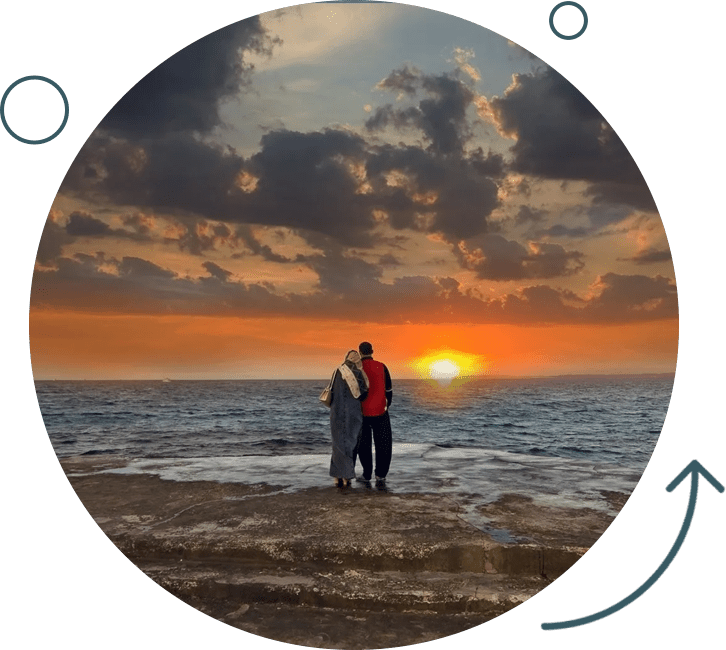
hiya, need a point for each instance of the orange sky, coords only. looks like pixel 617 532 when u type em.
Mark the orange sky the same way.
pixel 96 346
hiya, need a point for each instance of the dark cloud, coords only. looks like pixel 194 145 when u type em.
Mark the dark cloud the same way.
pixel 52 241
pixel 147 155
pixel 306 181
pixel 135 267
pixel 449 284
pixel 246 235
pixel 490 165
pixel 406 79
pixel 133 285
pixel 492 257
pixel 632 194
pixel 561 135
pixel 461 199
pixel 604 215
pixel 343 275
pixel 216 271
pixel 389 260
pixel 441 116
pixel 298 180
pixel 184 92
pixel 200 236
pixel 626 297
pixel 649 256
pixel 560 230
pixel 177 174
pixel 141 287
pixel 81 224
pixel 528 215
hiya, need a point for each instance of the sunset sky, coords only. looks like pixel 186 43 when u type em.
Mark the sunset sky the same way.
pixel 299 182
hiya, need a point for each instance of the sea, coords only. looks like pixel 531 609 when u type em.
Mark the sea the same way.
pixel 560 440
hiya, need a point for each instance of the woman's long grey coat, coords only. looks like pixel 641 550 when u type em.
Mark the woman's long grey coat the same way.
pixel 346 423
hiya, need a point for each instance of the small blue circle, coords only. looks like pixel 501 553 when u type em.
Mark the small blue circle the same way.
pixel 5 96
pixel 584 23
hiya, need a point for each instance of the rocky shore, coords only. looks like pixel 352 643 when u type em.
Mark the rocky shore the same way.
pixel 335 568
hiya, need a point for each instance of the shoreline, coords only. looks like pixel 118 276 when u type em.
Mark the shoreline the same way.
pixel 316 565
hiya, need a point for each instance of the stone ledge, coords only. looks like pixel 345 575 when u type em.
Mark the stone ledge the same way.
pixel 322 567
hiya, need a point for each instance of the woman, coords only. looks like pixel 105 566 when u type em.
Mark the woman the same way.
pixel 349 389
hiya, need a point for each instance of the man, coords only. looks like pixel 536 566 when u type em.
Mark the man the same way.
pixel 376 423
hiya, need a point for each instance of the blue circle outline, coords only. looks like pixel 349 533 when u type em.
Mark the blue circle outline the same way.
pixel 552 20
pixel 30 78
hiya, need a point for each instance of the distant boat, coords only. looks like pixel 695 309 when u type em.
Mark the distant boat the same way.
pixel 166 380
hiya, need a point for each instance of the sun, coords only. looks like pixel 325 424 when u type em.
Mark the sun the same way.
pixel 445 366
pixel 444 369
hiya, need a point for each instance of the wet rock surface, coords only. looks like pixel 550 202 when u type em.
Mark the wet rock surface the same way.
pixel 334 568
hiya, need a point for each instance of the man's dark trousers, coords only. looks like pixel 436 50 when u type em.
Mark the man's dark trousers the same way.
pixel 377 429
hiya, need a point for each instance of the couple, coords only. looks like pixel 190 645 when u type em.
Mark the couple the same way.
pixel 361 393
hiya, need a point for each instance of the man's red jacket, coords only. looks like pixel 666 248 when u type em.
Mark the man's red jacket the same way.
pixel 380 391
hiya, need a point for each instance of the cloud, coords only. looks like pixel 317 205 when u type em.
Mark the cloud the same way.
pixel 406 80
pixel 141 223
pixel 621 296
pixel 216 271
pixel 441 116
pixel 308 181
pixel 561 135
pixel 184 92
pixel 82 224
pixel 328 181
pixel 634 194
pixel 60 232
pixel 389 260
pixel 448 195
pixel 199 235
pixel 102 284
pixel 528 215
pixel 246 235
pixel 348 288
pixel 649 256
pixel 492 257
pixel 52 241
pixel 178 173
pixel 560 230
pixel 337 188
pixel 343 275
pixel 462 58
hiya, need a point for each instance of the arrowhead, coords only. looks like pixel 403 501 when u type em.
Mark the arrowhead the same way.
pixel 694 467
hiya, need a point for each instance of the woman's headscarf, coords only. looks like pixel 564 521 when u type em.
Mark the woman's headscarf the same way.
pixel 352 359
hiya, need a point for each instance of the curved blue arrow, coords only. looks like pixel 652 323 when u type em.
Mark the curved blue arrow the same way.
pixel 694 468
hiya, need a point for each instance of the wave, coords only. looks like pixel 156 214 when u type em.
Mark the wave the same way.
pixel 578 450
